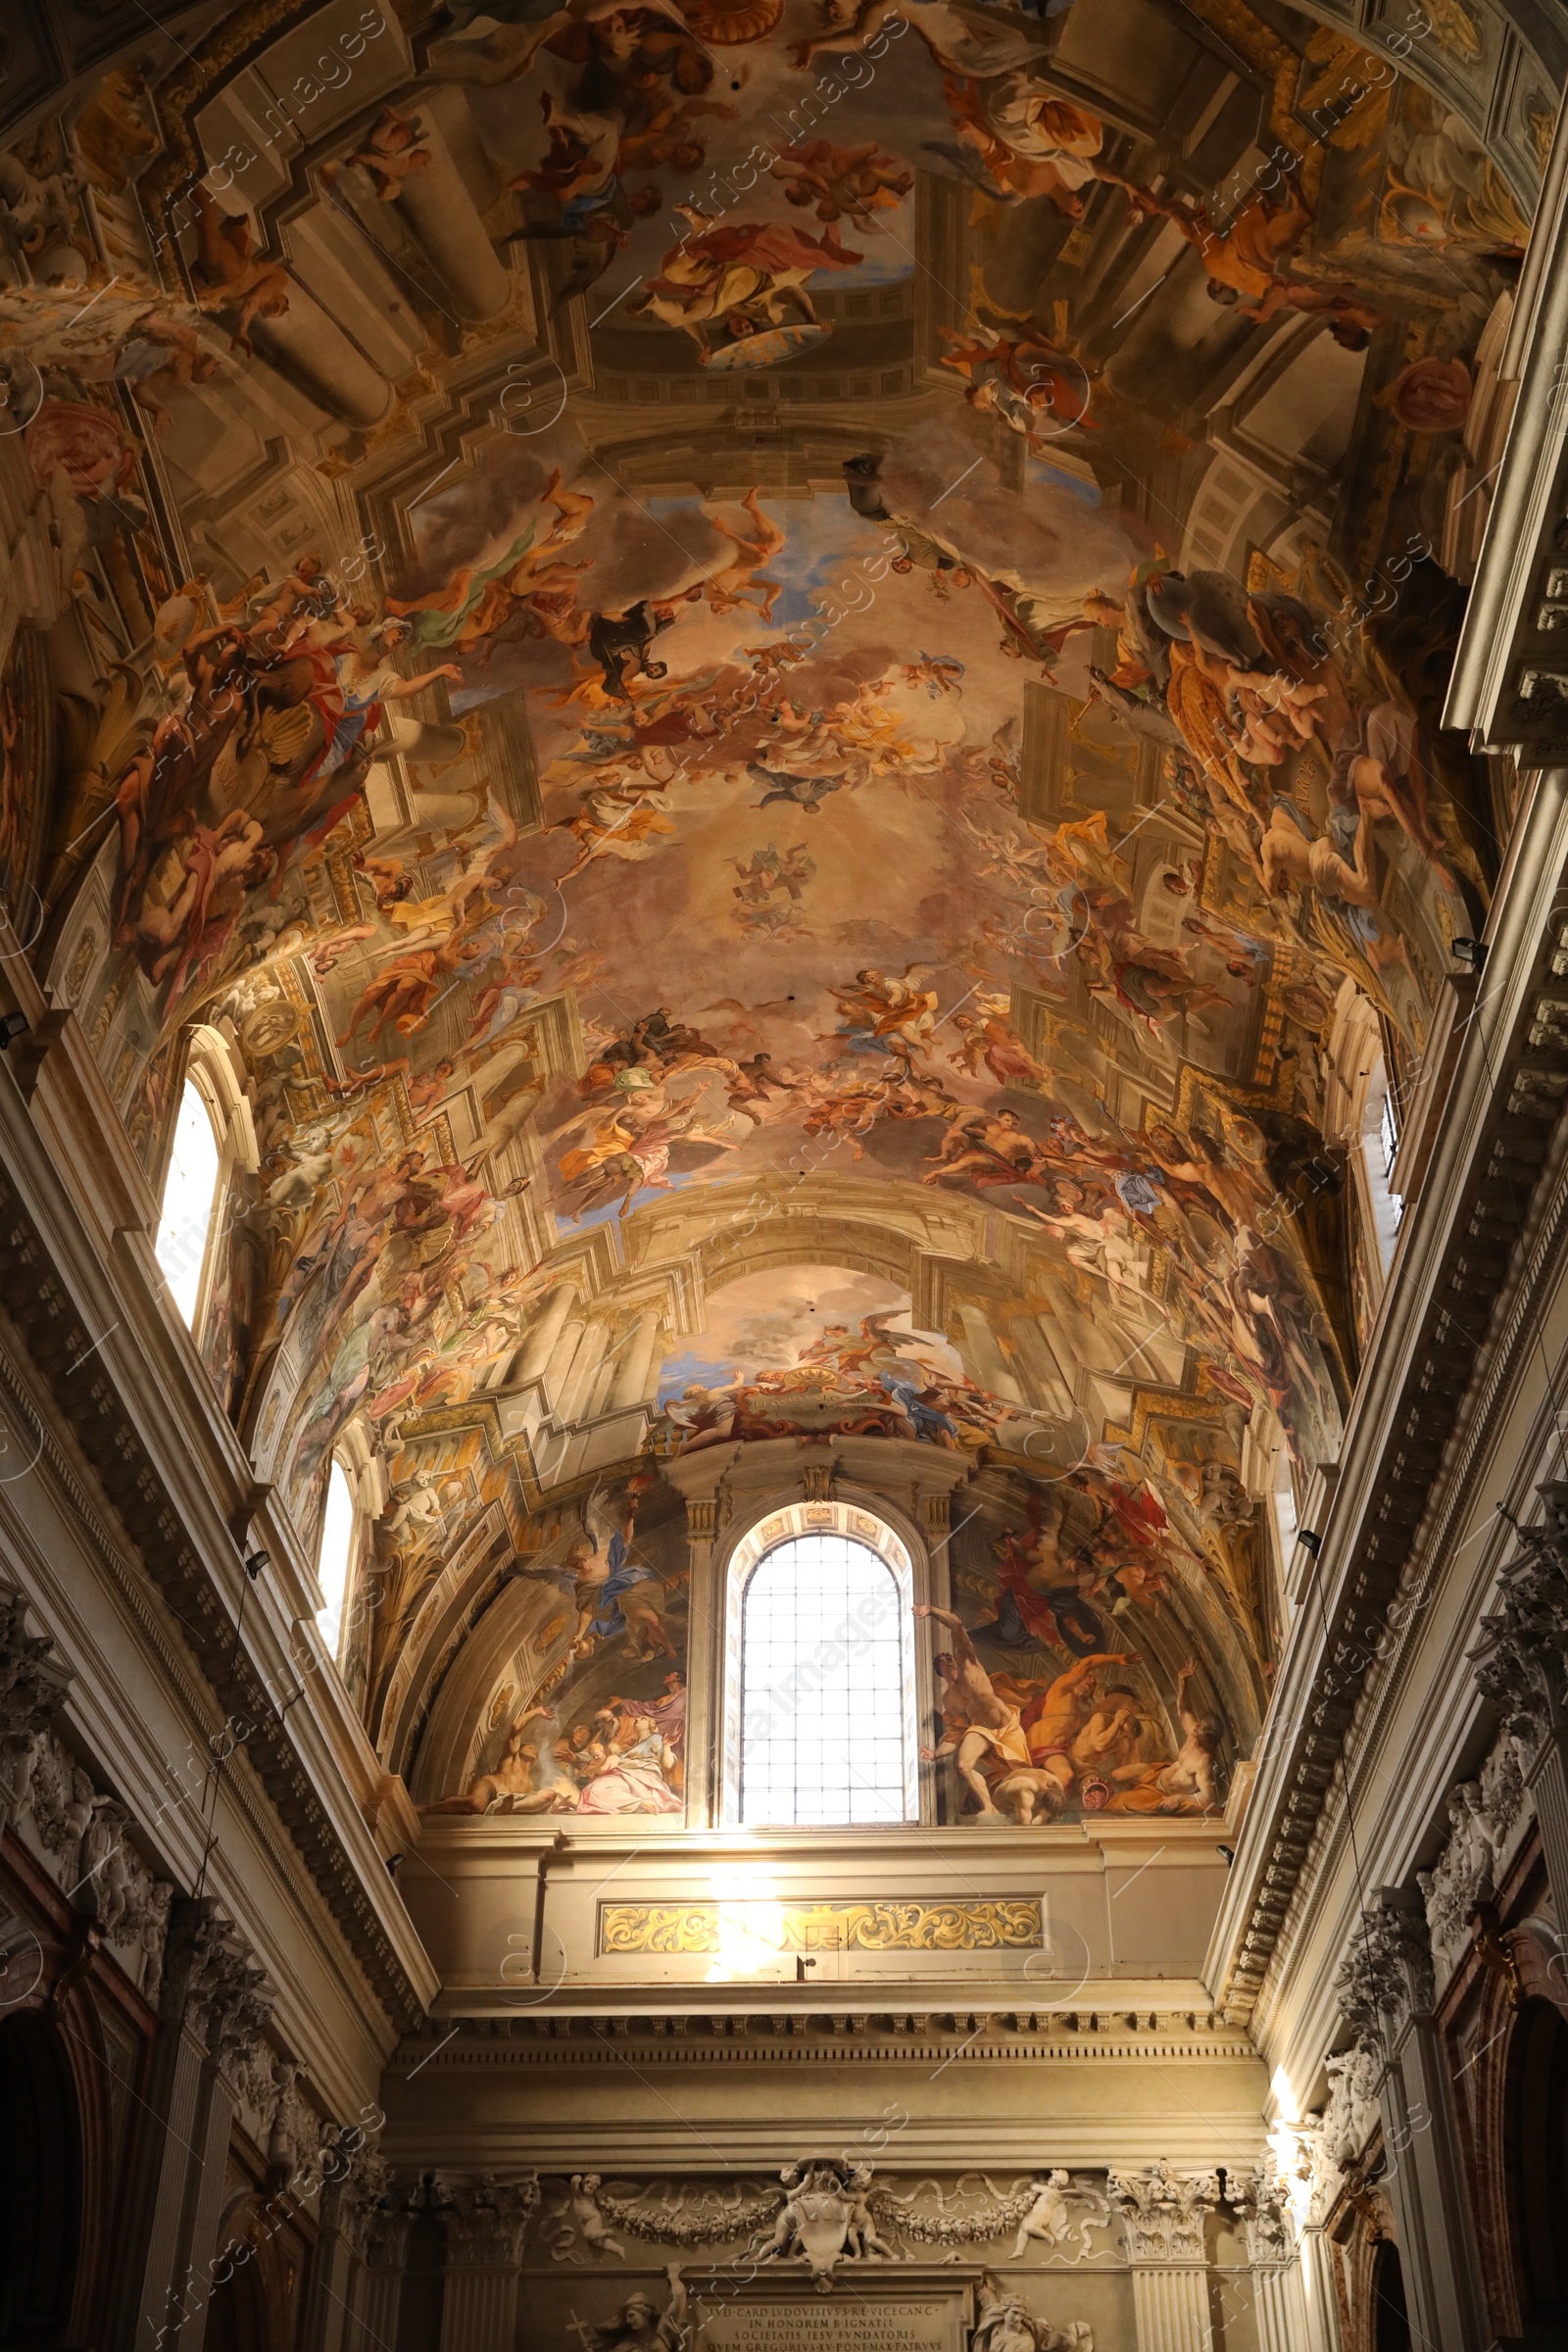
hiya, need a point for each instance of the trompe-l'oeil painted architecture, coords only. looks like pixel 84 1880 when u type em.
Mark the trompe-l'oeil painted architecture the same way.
pixel 784 1000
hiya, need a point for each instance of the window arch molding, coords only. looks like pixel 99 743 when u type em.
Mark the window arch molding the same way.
pixel 214 1072
pixel 885 1532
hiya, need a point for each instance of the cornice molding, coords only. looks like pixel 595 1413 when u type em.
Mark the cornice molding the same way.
pixel 1479 1247
pixel 162 1554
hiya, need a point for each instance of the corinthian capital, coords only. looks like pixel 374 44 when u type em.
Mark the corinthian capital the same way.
pixel 1522 1660
pixel 487 2219
pixel 1162 2211
pixel 1388 1977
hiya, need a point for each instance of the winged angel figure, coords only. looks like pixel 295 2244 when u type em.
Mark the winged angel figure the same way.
pixel 1007 2325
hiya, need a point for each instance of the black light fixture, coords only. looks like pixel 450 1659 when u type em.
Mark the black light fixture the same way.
pixel 12 1027
pixel 255 1563
pixel 1309 1540
pixel 1471 953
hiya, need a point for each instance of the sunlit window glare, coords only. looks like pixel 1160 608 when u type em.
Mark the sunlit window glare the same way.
pixel 189 1196
pixel 332 1562
pixel 822 1687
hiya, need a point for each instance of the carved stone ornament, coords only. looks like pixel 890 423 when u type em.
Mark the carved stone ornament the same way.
pixel 1163 2211
pixel 357 2198
pixel 1482 1813
pixel 824 2219
pixel 1351 2114
pixel 1523 1658
pixel 81 1838
pixel 1262 2198
pixel 856 2218
pixel 1389 1976
pixel 579 2222
pixel 32 1690
pixel 294 2133
pixel 487 2219
pixel 641 2326
pixel 1007 2325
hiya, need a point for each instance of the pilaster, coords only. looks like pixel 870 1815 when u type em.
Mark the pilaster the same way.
pixel 486 2222
pixel 1386 1990
pixel 1164 2214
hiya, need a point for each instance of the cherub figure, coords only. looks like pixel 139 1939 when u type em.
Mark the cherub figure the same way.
pixel 391 154
pixel 737 586
pixel 1050 2218
pixel 586 2221
pixel 841 182
pixel 230 274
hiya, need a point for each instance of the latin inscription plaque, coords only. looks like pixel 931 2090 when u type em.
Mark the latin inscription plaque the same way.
pixel 846 2320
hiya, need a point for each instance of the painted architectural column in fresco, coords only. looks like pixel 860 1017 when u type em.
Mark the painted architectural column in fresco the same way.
pixel 697 1481
pixel 539 1345
pixel 562 1356
pixel 636 1361
pixel 577 1393
pixel 306 345
pixel 443 216
pixel 985 1358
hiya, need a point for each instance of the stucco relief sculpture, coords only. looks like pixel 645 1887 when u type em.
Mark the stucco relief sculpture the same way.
pixel 824 2212
pixel 640 2325
pixel 1520 1664
pixel 581 2223
pixel 1482 1813
pixel 1389 1976
pixel 1055 2222
pixel 1007 2325
pixel 1163 2211
pixel 825 2219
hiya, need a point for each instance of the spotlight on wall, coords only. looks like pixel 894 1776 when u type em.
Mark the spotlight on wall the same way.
pixel 1471 953
pixel 12 1027
pixel 1227 1853
pixel 1309 1540
pixel 392 1862
pixel 255 1563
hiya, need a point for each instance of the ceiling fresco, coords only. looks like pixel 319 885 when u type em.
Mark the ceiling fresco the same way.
pixel 771 668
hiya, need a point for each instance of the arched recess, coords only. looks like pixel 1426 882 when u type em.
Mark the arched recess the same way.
pixel 1508 2064
pixel 1389 2320
pixel 1536 2165
pixel 42 2186
pixel 509 1626
pixel 868 1244
pixel 237 2317
pixel 256 2277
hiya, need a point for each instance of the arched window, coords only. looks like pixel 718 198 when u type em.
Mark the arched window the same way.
pixel 335 1556
pixel 190 1196
pixel 822 1666
pixel 1380 1145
